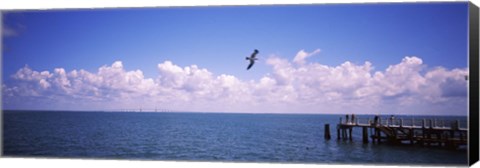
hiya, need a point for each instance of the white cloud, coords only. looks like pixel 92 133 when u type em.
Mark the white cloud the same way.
pixel 402 78
pixel 27 74
pixel 302 55
pixel 298 87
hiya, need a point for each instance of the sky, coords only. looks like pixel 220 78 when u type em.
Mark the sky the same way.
pixel 408 58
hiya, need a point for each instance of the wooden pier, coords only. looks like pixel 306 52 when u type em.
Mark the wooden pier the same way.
pixel 423 132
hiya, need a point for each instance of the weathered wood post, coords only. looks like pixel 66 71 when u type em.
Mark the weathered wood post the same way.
pixel 452 130
pixel 410 135
pixel 338 132
pixel 461 136
pixel 429 132
pixel 327 131
pixel 350 133
pixel 377 134
pixel 338 128
pixel 342 135
pixel 439 137
pixel 365 134
pixel 457 125
pixel 372 134
pixel 393 137
pixel 456 128
pixel 449 143
pixel 423 131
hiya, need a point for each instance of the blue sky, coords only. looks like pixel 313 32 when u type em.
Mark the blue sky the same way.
pixel 219 38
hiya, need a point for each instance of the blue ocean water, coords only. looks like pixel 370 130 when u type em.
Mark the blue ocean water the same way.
pixel 281 138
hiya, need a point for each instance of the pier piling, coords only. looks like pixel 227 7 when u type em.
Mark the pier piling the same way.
pixel 327 131
pixel 338 133
pixel 350 133
pixel 365 134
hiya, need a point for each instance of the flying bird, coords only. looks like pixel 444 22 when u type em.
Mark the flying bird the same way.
pixel 252 59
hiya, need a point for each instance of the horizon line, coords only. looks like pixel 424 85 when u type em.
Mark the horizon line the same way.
pixel 210 112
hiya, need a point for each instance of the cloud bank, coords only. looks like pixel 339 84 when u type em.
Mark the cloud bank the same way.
pixel 296 86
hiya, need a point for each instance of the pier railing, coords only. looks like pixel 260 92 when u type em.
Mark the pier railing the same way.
pixel 408 122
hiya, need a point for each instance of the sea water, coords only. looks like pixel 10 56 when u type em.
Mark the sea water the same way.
pixel 277 138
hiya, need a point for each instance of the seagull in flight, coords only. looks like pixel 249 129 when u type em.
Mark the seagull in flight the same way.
pixel 252 59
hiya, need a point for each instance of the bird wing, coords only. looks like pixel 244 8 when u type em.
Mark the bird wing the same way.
pixel 251 64
pixel 254 54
